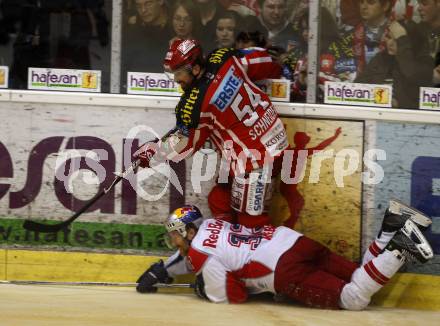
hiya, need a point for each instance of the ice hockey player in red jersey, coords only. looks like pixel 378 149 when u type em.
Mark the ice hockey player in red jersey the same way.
pixel 233 262
pixel 221 103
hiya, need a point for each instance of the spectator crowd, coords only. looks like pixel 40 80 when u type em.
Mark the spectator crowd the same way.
pixel 393 42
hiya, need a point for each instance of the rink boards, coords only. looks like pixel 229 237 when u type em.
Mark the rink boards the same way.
pixel 38 130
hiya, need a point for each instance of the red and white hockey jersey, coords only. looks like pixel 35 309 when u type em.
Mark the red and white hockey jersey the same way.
pixel 225 106
pixel 236 261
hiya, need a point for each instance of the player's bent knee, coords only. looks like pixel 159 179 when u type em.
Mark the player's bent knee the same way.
pixel 351 298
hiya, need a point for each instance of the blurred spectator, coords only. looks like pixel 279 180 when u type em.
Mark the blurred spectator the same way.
pixel 10 15
pixel 87 21
pixel 226 29
pixel 296 9
pixel 31 47
pixel 436 72
pixel 242 7
pixel 348 56
pixel 185 19
pixel 210 11
pixel 274 23
pixel 246 39
pixel 295 60
pixel 348 15
pixel 405 63
pixel 430 23
pixel 146 37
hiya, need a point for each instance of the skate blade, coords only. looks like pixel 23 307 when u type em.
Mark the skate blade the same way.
pixel 400 208
pixel 411 230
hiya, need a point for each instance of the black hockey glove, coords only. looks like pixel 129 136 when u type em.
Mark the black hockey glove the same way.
pixel 157 273
pixel 199 287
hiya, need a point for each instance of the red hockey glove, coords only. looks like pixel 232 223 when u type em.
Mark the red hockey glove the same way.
pixel 145 153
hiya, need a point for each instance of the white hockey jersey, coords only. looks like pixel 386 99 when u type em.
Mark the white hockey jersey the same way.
pixel 236 261
pixel 177 265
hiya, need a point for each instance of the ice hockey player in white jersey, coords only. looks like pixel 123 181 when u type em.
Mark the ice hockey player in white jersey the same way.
pixel 232 262
pixel 176 264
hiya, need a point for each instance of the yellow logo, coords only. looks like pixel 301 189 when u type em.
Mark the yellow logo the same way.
pixel 279 89
pixel 89 80
pixel 217 56
pixel 381 95
pixel 2 77
pixel 187 111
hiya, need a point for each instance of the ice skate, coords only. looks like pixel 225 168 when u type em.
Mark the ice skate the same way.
pixel 398 213
pixel 410 243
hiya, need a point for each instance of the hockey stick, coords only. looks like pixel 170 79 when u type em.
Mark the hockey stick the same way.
pixel 157 285
pixel 47 228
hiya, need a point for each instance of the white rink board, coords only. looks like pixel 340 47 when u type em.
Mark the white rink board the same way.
pixel 24 125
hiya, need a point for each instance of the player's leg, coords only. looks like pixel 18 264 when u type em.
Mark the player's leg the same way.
pixel 408 244
pixel 250 198
pixel 394 219
pixel 219 202
pixel 298 277
pixel 324 259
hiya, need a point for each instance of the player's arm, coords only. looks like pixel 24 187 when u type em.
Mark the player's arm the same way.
pixel 176 147
pixel 259 65
pixel 162 272
pixel 156 273
pixel 219 285
pixel 176 265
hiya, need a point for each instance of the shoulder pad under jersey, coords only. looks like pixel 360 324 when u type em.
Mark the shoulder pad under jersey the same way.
pixel 218 57
pixel 190 105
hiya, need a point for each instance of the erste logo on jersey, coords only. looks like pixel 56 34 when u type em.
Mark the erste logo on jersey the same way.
pixel 227 90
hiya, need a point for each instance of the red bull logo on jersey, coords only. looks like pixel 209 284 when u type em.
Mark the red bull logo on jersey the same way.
pixel 227 90
pixel 214 230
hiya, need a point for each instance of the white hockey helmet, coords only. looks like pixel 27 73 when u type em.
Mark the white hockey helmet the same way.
pixel 182 216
